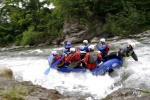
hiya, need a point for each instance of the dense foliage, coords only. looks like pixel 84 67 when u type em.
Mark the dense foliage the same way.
pixel 26 22
pixel 31 22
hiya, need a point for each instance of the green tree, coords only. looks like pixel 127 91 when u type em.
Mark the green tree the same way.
pixel 121 17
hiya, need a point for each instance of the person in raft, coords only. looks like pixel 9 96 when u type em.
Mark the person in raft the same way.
pixel 67 46
pixel 92 58
pixel 73 56
pixel 104 49
pixel 124 52
pixel 85 48
pixel 57 57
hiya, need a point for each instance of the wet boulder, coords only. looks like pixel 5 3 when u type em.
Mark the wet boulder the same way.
pixel 128 94
pixel 12 89
pixel 6 72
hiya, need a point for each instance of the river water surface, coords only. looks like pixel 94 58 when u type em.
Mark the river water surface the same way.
pixel 30 64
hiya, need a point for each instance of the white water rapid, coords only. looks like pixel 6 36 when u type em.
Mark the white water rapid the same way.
pixel 30 64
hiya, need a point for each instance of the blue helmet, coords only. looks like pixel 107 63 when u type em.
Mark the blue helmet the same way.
pixel 69 43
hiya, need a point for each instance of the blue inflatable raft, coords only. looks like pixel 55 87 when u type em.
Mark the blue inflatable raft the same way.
pixel 101 69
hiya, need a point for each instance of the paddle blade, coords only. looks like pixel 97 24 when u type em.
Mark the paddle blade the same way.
pixel 47 71
pixel 50 59
pixel 72 65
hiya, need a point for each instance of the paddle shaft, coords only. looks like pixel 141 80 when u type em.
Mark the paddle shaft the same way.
pixel 74 64
pixel 57 62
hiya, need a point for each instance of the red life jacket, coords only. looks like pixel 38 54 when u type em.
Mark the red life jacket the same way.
pixel 75 57
pixel 106 50
pixel 90 60
pixel 58 58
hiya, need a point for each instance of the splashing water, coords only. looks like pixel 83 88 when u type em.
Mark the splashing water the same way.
pixel 29 65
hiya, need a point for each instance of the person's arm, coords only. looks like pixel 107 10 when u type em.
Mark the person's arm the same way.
pixel 67 47
pixel 134 56
pixel 86 58
pixel 103 47
pixel 84 48
pixel 99 57
pixel 81 49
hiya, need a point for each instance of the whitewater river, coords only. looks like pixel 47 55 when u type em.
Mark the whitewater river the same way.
pixel 30 64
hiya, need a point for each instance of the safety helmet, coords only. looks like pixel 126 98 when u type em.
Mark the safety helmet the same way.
pixel 72 49
pixel 91 47
pixel 131 44
pixel 69 43
pixel 85 41
pixel 54 52
pixel 102 40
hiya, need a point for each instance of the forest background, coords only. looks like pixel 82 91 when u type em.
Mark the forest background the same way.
pixel 31 22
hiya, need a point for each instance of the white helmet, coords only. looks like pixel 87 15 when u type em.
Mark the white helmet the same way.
pixel 91 47
pixel 102 40
pixel 85 41
pixel 72 49
pixel 54 52
pixel 131 44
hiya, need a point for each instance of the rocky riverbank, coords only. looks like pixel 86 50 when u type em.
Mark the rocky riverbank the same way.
pixel 75 32
pixel 11 89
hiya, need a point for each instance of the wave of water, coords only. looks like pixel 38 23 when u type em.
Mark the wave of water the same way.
pixel 29 65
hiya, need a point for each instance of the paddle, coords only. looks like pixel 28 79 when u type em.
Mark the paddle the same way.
pixel 57 62
pixel 74 64
pixel 50 59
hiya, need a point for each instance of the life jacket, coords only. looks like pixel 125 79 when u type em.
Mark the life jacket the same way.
pixel 57 58
pixel 106 50
pixel 61 62
pixel 93 57
pixel 75 57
